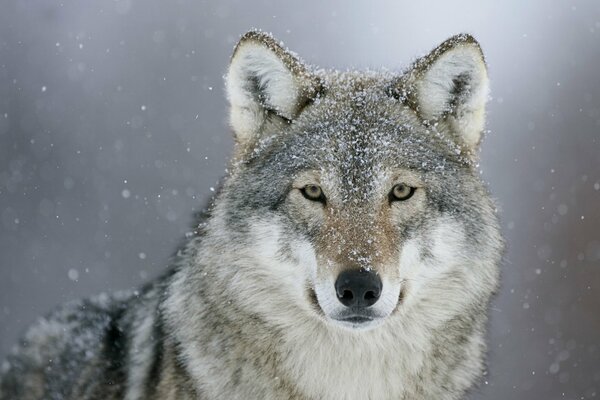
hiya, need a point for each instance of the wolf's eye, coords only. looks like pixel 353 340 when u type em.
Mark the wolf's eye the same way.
pixel 401 192
pixel 313 192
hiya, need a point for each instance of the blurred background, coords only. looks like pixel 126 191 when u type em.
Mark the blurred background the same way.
pixel 113 131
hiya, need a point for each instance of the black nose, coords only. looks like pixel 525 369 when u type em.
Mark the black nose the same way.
pixel 358 288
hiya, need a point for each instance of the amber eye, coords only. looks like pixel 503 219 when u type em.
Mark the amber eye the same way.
pixel 401 192
pixel 313 192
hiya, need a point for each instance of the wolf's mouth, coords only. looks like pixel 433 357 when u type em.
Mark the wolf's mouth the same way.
pixel 358 322
pixel 356 319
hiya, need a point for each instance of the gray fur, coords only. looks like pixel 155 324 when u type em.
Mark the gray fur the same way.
pixel 242 313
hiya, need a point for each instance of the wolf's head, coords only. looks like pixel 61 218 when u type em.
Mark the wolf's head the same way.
pixel 353 197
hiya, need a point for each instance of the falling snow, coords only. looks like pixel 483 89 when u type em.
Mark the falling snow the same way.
pixel 111 138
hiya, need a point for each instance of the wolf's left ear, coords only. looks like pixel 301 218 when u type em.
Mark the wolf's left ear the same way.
pixel 450 86
pixel 266 85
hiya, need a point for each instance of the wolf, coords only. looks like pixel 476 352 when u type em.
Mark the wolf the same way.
pixel 351 252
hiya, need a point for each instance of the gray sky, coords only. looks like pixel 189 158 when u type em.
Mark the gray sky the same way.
pixel 113 130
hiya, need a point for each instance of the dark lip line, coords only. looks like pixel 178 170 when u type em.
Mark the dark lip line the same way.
pixel 356 320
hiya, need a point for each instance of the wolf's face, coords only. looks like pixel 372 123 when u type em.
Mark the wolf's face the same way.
pixel 355 194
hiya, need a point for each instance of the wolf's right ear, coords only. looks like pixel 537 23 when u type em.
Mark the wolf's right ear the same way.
pixel 266 84
pixel 449 86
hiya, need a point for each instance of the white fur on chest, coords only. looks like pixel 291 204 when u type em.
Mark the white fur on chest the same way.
pixel 334 364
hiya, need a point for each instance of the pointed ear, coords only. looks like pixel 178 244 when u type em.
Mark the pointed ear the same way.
pixel 450 86
pixel 266 84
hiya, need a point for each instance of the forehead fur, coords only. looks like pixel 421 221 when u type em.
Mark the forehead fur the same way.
pixel 357 127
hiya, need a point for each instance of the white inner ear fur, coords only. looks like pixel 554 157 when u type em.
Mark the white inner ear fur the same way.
pixel 436 96
pixel 258 78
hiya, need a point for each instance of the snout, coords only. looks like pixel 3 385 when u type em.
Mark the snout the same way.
pixel 358 289
pixel 358 299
